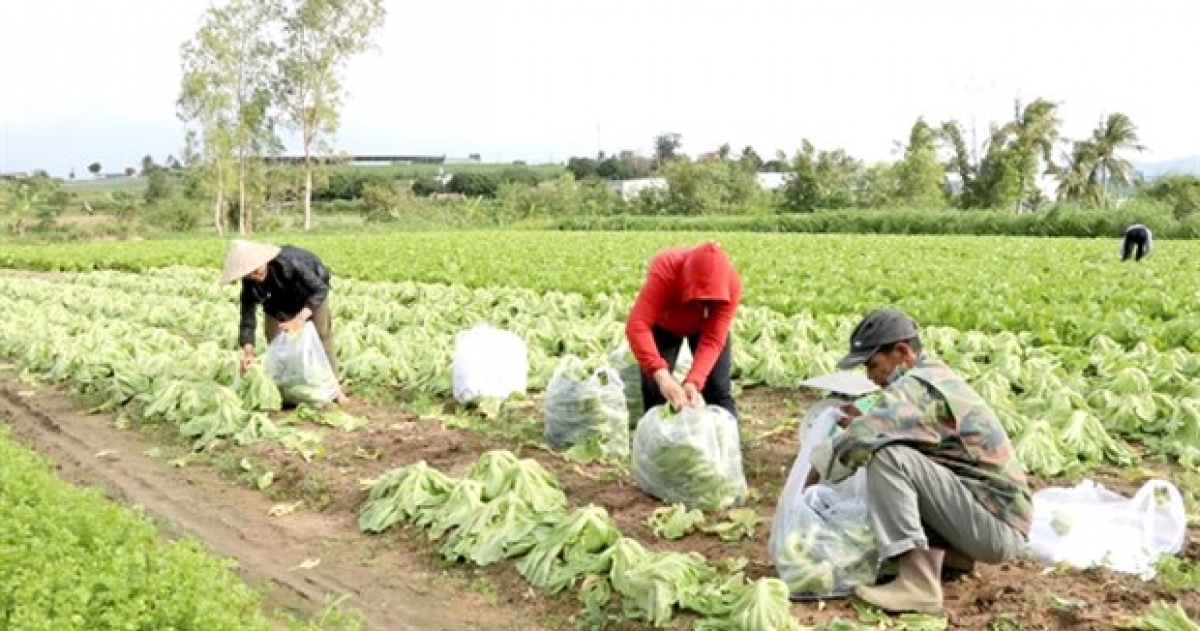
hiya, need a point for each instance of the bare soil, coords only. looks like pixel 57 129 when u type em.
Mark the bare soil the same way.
pixel 398 579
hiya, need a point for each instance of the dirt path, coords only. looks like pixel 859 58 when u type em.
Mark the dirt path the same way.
pixel 390 587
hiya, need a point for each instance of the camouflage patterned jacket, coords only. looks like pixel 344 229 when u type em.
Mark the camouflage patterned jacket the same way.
pixel 936 412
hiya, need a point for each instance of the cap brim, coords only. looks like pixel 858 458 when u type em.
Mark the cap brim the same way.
pixel 856 358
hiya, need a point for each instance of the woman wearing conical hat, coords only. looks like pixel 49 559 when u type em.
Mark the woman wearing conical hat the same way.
pixel 290 283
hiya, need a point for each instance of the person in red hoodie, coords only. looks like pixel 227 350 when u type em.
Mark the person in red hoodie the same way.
pixel 693 294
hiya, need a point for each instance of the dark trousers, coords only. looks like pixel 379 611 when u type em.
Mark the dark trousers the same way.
pixel 717 390
pixel 1132 242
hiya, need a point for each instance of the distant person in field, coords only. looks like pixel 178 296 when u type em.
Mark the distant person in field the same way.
pixel 290 283
pixel 689 294
pixel 1139 238
pixel 944 485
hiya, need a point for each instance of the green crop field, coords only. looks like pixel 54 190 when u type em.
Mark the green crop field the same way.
pixel 1093 365
pixel 74 560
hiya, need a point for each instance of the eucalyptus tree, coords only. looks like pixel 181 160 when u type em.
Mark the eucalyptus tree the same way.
pixel 319 38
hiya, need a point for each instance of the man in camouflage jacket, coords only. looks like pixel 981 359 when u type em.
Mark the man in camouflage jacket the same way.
pixel 942 476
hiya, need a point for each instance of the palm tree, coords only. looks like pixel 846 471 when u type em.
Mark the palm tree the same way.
pixel 1115 134
pixel 1034 133
pixel 1077 178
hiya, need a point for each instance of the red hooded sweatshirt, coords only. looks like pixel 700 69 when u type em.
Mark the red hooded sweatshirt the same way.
pixel 678 279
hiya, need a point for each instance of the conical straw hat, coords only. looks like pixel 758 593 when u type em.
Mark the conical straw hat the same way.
pixel 245 257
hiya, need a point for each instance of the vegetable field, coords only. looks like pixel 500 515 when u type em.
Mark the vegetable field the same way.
pixel 1093 365
pixel 107 571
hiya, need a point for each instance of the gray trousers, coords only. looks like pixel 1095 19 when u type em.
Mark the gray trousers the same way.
pixel 916 503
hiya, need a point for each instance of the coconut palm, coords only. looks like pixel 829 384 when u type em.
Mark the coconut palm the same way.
pixel 1034 133
pixel 1077 177
pixel 1115 134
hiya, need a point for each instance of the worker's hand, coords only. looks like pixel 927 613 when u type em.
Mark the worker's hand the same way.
pixel 694 398
pixel 247 359
pixel 849 413
pixel 670 389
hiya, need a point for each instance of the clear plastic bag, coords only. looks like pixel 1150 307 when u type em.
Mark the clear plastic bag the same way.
pixel 297 364
pixel 822 543
pixel 693 457
pixel 627 367
pixel 580 405
pixel 1089 525
pixel 488 363
pixel 683 362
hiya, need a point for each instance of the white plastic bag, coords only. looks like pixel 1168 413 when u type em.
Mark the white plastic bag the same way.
pixel 693 457
pixel 822 543
pixel 300 369
pixel 1089 525
pixel 488 363
pixel 580 405
pixel 683 362
pixel 626 365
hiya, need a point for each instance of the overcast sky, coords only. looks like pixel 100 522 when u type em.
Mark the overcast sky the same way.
pixel 82 81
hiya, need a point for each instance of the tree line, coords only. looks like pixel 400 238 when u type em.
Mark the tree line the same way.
pixel 1004 174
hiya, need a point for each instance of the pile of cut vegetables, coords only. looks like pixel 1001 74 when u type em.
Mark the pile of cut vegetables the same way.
pixel 505 507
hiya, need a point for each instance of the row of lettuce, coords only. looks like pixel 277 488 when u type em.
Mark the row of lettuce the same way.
pixel 1067 407
pixel 73 560
pixel 1061 291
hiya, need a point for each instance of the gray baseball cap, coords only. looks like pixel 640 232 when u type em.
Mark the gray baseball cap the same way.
pixel 880 327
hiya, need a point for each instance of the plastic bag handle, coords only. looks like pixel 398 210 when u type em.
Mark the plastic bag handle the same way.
pixel 1143 502
pixel 613 376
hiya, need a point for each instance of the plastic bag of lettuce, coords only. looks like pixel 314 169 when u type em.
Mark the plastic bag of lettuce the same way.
pixel 626 365
pixel 300 369
pixel 692 457
pixel 631 375
pixel 582 404
pixel 822 543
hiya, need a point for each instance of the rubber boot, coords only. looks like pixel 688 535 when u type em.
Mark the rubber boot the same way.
pixel 917 588
pixel 955 566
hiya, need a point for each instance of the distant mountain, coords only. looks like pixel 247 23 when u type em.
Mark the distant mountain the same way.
pixel 1180 166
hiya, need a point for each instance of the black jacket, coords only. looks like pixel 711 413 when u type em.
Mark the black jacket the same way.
pixel 296 278
pixel 1137 233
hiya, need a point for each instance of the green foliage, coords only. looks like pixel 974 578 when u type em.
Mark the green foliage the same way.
pixel 38 197
pixel 1094 165
pixel 78 561
pixel 1180 193
pixel 474 184
pixel 825 180
pixel 665 147
pixel 707 188
pixel 380 201
pixel 159 187
pixel 626 166
pixel 426 185
pixel 1057 221
pixel 319 39
pixel 920 180
pixel 349 185
pixel 175 215
pixel 564 197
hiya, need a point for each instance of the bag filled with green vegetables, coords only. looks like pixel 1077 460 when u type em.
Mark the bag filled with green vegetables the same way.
pixel 692 457
pixel 581 404
pixel 299 367
pixel 822 543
